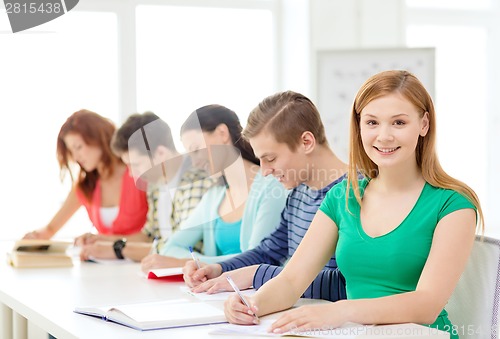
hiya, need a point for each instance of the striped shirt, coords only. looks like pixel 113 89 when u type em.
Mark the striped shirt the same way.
pixel 274 250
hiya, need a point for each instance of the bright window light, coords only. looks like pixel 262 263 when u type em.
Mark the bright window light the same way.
pixel 189 57
pixel 49 72
pixel 461 99
pixel 449 4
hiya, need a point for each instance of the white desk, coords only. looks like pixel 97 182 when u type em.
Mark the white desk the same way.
pixel 47 297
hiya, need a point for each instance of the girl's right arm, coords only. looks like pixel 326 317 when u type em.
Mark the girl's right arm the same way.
pixel 178 244
pixel 69 207
pixel 281 292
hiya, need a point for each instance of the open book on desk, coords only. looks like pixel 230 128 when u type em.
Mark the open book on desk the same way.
pixel 158 314
pixel 347 331
pixel 94 260
pixel 221 296
pixel 40 253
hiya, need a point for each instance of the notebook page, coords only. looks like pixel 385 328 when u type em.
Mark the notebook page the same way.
pixel 221 296
pixel 347 331
pixel 171 310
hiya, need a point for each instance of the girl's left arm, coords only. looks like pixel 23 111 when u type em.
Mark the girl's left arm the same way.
pixel 451 246
pixel 267 217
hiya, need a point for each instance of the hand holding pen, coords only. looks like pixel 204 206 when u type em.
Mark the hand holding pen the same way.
pixel 196 273
pixel 243 300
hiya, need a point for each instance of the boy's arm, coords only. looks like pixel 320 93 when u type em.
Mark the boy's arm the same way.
pixel 272 250
pixel 329 284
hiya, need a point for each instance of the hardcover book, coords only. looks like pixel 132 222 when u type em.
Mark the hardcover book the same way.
pixel 40 253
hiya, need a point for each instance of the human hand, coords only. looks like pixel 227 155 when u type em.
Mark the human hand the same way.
pixel 153 261
pixel 237 312
pixel 98 250
pixel 42 233
pixel 308 318
pixel 242 277
pixel 86 239
pixel 194 276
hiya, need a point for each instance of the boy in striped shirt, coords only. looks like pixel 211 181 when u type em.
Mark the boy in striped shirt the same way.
pixel 288 136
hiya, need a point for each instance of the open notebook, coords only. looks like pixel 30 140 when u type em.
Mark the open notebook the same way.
pixel 347 331
pixel 157 314
pixel 221 296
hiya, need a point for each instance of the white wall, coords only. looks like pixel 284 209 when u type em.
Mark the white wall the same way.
pixel 341 24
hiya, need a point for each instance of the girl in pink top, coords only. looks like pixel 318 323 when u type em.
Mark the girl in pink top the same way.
pixel 102 183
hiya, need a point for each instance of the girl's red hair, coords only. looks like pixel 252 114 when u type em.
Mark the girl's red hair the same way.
pixel 95 130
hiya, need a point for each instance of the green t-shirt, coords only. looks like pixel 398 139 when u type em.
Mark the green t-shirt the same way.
pixel 391 263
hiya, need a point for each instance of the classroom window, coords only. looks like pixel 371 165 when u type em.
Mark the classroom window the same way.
pixel 449 4
pixel 188 57
pixel 461 99
pixel 48 73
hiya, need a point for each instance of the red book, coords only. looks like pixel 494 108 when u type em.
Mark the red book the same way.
pixel 173 274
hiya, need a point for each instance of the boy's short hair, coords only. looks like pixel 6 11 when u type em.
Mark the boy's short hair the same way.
pixel 160 135
pixel 286 115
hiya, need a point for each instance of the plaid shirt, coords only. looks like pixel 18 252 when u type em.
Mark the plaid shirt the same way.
pixel 192 185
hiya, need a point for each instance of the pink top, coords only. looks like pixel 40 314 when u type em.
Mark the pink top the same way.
pixel 132 213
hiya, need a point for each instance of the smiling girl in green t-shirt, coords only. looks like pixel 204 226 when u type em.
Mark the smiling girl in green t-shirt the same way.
pixel 402 236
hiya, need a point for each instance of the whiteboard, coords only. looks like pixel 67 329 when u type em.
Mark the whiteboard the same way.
pixel 340 74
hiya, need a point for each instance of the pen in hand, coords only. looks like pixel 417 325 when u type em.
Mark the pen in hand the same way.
pixel 154 246
pixel 195 259
pixel 243 299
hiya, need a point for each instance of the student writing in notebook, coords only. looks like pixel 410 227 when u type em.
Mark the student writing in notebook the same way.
pixel 144 142
pixel 407 214
pixel 288 136
pixel 103 183
pixel 234 215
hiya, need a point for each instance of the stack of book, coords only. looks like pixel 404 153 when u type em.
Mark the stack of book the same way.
pixel 40 253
